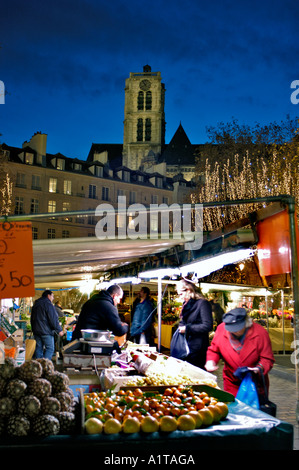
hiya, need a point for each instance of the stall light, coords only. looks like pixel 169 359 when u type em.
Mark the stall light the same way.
pixel 124 280
pixel 87 286
pixel 160 273
pixel 205 267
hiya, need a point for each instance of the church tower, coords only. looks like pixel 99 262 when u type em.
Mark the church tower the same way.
pixel 144 120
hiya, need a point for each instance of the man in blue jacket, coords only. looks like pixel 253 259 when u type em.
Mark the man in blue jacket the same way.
pixel 142 320
pixel 100 313
pixel 44 324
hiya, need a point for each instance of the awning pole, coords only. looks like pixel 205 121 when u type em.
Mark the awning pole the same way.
pixel 159 311
pixel 295 288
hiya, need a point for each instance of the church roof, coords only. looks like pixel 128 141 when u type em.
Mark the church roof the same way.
pixel 179 150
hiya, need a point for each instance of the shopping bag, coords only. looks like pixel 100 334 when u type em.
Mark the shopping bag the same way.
pixel 247 392
pixel 266 405
pixel 142 339
pixel 178 346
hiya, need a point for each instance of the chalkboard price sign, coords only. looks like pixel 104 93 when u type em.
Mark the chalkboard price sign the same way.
pixel 16 260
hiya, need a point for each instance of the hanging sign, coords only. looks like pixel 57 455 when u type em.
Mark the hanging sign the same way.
pixel 16 260
pixel 274 252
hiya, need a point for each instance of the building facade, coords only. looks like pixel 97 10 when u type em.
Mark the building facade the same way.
pixel 142 169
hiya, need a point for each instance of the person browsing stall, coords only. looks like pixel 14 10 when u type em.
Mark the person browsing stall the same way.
pixel 142 320
pixel 45 324
pixel 196 322
pixel 240 342
pixel 100 313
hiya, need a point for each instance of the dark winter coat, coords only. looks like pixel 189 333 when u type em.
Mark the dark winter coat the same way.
pixel 44 318
pixel 142 320
pixel 196 315
pixel 100 313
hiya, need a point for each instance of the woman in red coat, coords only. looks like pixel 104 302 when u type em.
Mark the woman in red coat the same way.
pixel 240 343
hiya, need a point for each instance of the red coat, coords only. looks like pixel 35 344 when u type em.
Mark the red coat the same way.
pixel 256 350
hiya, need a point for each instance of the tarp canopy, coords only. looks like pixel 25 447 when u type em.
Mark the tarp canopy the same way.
pixel 67 262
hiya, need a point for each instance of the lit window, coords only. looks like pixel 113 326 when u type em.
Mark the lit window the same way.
pixel 60 164
pixel 52 206
pixel 67 187
pixel 52 185
pixel 29 158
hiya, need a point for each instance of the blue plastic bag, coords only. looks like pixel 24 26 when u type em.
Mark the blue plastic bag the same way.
pixel 247 392
pixel 179 347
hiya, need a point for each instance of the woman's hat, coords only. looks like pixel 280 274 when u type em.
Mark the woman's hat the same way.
pixel 235 320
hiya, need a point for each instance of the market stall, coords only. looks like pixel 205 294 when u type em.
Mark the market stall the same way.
pixel 76 261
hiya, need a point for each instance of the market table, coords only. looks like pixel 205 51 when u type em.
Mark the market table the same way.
pixel 276 337
pixel 166 335
pixel 244 429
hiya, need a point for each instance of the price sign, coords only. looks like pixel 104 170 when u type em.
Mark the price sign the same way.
pixel 16 260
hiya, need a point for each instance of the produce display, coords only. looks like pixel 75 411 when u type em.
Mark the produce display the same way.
pixel 35 399
pixel 136 410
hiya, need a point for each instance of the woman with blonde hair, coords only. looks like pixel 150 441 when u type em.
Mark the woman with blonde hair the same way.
pixel 196 322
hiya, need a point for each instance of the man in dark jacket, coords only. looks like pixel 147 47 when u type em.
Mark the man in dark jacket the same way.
pixel 100 313
pixel 44 324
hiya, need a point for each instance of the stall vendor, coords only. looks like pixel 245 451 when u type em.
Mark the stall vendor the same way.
pixel 100 313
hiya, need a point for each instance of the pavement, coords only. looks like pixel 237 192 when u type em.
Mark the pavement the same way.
pixel 283 391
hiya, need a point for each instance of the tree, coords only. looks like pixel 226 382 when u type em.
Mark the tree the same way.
pixel 5 185
pixel 243 162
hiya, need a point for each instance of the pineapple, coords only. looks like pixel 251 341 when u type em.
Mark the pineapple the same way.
pixel 40 388
pixel 3 384
pixel 59 381
pixel 30 370
pixel 7 406
pixel 50 406
pixel 45 425
pixel 2 426
pixel 67 421
pixel 16 388
pixel 8 368
pixel 18 426
pixel 47 365
pixel 29 406
pixel 66 400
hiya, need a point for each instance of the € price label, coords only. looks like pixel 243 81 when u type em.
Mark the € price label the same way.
pixel 16 260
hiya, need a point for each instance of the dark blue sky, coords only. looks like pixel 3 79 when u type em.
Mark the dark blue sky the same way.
pixel 64 65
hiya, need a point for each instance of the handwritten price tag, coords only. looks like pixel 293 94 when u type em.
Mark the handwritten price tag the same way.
pixel 16 260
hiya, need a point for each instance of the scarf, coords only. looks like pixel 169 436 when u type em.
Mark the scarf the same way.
pixel 237 343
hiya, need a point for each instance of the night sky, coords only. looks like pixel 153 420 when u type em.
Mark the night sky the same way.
pixel 64 65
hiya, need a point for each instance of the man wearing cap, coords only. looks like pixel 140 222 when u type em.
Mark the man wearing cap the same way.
pixel 240 343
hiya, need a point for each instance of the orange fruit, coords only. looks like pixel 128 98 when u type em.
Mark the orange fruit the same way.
pixel 224 409
pixel 216 412
pixel 93 426
pixel 131 425
pixel 186 423
pixel 112 426
pixel 206 415
pixel 168 424
pixel 197 418
pixel 149 424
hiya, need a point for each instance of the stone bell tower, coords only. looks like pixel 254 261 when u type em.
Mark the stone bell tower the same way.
pixel 144 120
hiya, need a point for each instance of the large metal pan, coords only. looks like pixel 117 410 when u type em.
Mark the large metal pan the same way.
pixel 96 335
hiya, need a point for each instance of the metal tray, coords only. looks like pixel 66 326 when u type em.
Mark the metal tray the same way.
pixel 96 335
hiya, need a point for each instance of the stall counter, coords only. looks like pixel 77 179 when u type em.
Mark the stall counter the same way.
pixel 244 429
